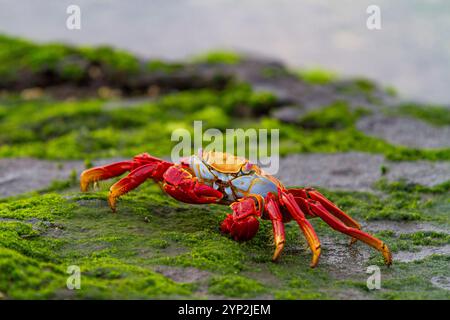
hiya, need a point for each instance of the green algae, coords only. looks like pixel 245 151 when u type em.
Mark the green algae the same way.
pixel 218 57
pixel 391 91
pixel 317 76
pixel 119 253
pixel 46 207
pixel 90 129
pixel 59 185
pixel 25 278
pixel 413 280
pixel 336 116
pixel 413 241
pixel 156 65
pixel 235 286
pixel 401 201
pixel 116 59
pixel 42 248
pixel 44 232
pixel 297 140
pixel 19 57
pixel 22 277
pixel 433 114
pixel 408 187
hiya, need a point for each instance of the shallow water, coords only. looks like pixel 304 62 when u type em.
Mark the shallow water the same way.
pixel 410 51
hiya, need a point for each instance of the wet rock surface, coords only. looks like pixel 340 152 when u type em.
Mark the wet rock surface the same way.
pixel 441 282
pixel 400 227
pixel 408 256
pixel 342 259
pixel 357 171
pixel 300 96
pixel 352 171
pixel 188 275
pixel 24 175
pixel 405 131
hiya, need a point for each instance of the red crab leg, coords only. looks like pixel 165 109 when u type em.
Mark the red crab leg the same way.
pixel 142 166
pixel 118 168
pixel 243 224
pixel 338 225
pixel 330 206
pixel 289 202
pixel 181 185
pixel 103 173
pixel 276 218
pixel 136 177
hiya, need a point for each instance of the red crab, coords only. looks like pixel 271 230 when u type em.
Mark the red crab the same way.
pixel 214 177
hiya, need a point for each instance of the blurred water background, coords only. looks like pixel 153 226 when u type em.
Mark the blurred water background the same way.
pixel 411 52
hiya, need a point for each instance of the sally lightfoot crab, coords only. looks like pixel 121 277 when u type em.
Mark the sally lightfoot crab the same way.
pixel 221 178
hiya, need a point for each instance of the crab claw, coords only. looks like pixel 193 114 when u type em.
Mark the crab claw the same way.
pixel 181 185
pixel 243 224
pixel 240 229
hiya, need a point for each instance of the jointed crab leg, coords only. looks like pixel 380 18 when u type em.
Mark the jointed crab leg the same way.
pixel 142 167
pixel 288 200
pixel 105 172
pixel 136 177
pixel 302 194
pixel 332 208
pixel 318 209
pixel 276 218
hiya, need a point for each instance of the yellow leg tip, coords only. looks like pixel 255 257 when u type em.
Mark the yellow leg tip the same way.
pixel 279 247
pixel 84 186
pixel 84 183
pixel 315 258
pixel 353 241
pixel 112 203
pixel 387 255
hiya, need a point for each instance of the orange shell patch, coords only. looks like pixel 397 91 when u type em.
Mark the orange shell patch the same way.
pixel 224 162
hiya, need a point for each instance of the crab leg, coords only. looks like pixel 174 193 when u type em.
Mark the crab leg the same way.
pixel 142 167
pixel 338 225
pixel 289 202
pixel 276 218
pixel 105 172
pixel 332 208
pixel 118 168
pixel 304 194
pixel 134 179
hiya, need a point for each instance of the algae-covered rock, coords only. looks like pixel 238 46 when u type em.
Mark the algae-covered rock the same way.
pixel 64 108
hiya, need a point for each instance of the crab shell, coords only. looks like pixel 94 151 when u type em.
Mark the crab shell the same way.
pixel 234 176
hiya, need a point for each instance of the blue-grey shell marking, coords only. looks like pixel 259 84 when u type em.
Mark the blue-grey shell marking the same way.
pixel 234 186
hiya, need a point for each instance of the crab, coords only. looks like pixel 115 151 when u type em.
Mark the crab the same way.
pixel 221 178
